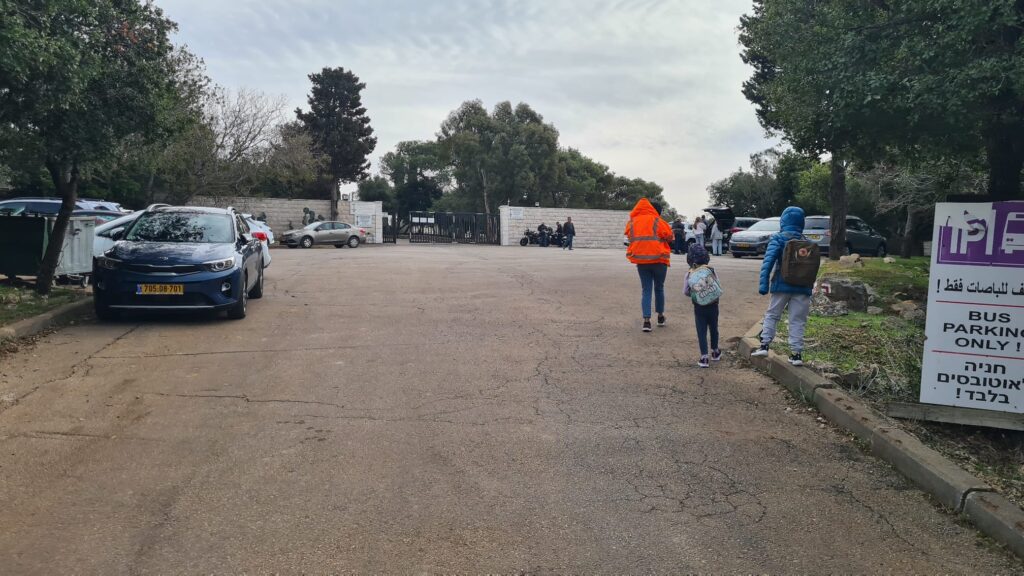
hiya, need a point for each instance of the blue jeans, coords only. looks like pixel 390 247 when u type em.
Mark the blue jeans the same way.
pixel 707 321
pixel 567 243
pixel 652 279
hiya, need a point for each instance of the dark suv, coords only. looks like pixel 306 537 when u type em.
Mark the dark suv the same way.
pixel 182 259
pixel 860 237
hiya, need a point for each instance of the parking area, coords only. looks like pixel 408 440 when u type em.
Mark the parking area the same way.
pixel 440 408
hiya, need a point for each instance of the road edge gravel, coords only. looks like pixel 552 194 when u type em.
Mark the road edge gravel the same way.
pixel 951 485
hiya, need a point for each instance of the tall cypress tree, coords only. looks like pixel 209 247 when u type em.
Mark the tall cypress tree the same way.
pixel 339 127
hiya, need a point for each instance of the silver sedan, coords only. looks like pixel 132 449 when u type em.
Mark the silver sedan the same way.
pixel 338 234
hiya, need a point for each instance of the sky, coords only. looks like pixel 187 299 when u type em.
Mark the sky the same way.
pixel 651 88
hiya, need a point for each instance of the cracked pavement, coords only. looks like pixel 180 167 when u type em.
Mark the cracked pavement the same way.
pixel 440 409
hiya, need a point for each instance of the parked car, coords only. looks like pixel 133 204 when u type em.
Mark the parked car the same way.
pixel 180 259
pixel 754 240
pixel 100 216
pixel 338 234
pixel 97 204
pixel 258 226
pixel 742 223
pixel 860 237
pixel 51 206
pixel 724 217
pixel 105 232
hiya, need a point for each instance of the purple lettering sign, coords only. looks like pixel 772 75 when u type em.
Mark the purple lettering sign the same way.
pixel 972 237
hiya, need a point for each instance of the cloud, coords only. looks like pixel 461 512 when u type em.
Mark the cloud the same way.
pixel 649 87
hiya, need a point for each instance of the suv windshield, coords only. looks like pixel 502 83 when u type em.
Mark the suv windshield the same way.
pixel 816 224
pixel 194 227
pixel 765 226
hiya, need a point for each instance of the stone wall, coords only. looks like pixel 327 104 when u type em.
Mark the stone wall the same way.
pixel 284 213
pixel 594 228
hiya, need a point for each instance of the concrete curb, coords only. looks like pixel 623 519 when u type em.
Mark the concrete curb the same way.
pixel 36 324
pixel 951 485
pixel 997 517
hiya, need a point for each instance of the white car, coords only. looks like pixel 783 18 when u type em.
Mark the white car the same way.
pixel 257 226
pixel 104 232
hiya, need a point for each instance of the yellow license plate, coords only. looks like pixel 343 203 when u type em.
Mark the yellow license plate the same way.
pixel 738 245
pixel 160 289
pixel 814 236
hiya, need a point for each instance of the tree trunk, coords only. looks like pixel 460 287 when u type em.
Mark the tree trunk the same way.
pixel 149 186
pixel 837 196
pixel 907 249
pixel 483 182
pixel 1004 145
pixel 65 179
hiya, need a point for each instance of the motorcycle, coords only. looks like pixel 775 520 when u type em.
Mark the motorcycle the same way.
pixel 533 237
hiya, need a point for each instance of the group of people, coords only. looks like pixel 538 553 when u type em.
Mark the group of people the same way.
pixel 563 232
pixel 702 229
pixel 650 241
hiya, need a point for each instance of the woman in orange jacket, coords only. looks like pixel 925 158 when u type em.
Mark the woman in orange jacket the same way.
pixel 649 248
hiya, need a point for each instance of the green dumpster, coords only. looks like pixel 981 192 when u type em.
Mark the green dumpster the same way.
pixel 23 241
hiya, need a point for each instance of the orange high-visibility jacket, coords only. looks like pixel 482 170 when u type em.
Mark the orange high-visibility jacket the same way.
pixel 649 235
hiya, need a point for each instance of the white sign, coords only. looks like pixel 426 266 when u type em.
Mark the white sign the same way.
pixel 363 208
pixel 364 220
pixel 516 213
pixel 974 351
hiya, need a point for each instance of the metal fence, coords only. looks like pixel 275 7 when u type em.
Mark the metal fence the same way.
pixel 390 229
pixel 454 228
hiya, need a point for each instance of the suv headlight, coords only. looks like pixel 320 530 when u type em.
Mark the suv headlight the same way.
pixel 107 263
pixel 220 265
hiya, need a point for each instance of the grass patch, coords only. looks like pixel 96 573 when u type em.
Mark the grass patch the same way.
pixel 877 357
pixel 908 276
pixel 20 302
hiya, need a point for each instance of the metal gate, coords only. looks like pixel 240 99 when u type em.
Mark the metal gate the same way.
pixel 454 227
pixel 390 229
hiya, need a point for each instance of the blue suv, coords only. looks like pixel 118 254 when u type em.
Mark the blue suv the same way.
pixel 180 258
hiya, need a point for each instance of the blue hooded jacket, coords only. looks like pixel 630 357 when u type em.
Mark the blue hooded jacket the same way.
pixel 792 226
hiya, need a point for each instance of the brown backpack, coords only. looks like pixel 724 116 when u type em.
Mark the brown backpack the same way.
pixel 800 262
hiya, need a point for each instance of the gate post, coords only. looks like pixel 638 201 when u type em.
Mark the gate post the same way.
pixel 503 224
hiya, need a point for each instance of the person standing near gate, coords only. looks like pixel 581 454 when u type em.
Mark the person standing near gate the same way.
pixel 569 229
pixel 649 248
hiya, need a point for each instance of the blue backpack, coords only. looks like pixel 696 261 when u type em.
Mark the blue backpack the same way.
pixel 704 286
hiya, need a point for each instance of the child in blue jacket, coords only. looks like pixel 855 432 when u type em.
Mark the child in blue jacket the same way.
pixel 796 298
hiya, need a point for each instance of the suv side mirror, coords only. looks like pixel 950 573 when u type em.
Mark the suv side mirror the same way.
pixel 117 234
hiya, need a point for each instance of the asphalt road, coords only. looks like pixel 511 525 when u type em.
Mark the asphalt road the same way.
pixel 412 409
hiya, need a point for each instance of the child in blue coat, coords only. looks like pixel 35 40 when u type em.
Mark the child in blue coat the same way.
pixel 784 295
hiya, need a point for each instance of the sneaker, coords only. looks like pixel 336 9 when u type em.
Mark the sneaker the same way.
pixel 703 362
pixel 716 355
pixel 647 325
pixel 796 360
pixel 762 351
pixel 662 321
